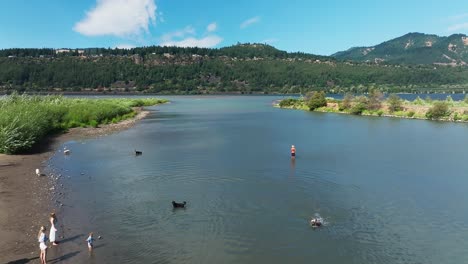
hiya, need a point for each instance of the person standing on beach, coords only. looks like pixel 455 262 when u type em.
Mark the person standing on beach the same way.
pixel 90 241
pixel 53 230
pixel 293 151
pixel 42 239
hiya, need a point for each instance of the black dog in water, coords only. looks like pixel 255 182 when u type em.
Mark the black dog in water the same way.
pixel 315 222
pixel 179 205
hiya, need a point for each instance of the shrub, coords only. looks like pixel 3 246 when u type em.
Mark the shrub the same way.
pixel 375 99
pixel 341 108
pixel 400 113
pixel 347 102
pixel 15 137
pixel 362 99
pixel 327 109
pixel 288 102
pixel 358 108
pixel 380 112
pixel 72 124
pixel 411 113
pixel 449 100
pixel 456 117
pixel 394 103
pixel 418 101
pixel 317 100
pixel 438 111
pixel 93 123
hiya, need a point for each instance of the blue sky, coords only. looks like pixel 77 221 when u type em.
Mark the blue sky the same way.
pixel 319 27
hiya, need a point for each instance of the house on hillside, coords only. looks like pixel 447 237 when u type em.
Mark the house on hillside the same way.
pixel 58 51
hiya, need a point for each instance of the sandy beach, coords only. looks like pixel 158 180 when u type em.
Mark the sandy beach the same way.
pixel 27 199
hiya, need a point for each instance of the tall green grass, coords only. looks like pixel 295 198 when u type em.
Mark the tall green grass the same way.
pixel 24 119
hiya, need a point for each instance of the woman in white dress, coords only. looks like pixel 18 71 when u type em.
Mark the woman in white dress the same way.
pixel 53 230
pixel 42 239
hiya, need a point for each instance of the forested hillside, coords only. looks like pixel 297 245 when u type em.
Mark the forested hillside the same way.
pixel 413 48
pixel 243 68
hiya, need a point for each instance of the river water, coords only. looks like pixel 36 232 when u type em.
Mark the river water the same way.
pixel 390 190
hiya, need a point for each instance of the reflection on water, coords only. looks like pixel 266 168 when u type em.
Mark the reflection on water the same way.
pixel 293 167
pixel 381 185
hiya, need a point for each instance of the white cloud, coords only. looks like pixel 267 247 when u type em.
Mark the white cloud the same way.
pixel 118 18
pixel 249 22
pixel 125 46
pixel 187 38
pixel 206 42
pixel 188 30
pixel 457 27
pixel 212 27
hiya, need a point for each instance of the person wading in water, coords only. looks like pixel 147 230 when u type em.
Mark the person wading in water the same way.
pixel 293 151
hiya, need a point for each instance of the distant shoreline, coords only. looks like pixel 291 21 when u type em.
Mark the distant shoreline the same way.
pixel 457 112
pixel 115 93
pixel 147 94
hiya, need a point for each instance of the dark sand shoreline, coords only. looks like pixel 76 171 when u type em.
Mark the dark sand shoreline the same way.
pixel 26 199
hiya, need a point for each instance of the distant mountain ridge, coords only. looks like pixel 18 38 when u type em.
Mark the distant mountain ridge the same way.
pixel 413 48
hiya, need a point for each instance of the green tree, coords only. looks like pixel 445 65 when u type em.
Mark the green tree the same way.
pixel 360 104
pixel 347 101
pixel 438 111
pixel 317 100
pixel 375 99
pixel 394 103
pixel 288 102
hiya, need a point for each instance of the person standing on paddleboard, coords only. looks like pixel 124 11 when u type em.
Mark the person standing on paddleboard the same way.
pixel 293 151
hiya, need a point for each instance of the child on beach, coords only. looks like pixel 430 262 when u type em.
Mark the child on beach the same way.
pixel 53 229
pixel 42 239
pixel 90 241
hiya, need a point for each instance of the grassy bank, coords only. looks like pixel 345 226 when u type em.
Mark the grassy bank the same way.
pixel 25 120
pixel 375 105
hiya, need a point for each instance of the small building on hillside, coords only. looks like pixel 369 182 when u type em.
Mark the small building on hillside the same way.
pixel 58 51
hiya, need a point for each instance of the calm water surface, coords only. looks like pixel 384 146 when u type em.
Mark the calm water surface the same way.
pixel 390 190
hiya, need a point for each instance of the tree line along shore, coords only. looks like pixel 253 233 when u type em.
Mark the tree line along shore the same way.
pixel 242 68
pixel 374 104
pixel 25 119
